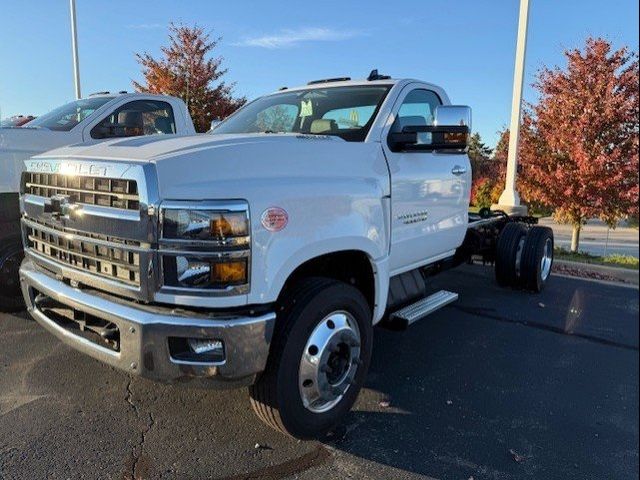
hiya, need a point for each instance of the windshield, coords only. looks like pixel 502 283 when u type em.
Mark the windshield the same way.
pixel 67 116
pixel 346 112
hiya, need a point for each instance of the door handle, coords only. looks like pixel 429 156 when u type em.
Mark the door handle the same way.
pixel 459 170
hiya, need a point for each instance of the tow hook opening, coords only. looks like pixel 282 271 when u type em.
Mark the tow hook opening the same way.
pixel 197 350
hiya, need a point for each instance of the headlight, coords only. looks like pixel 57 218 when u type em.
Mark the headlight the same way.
pixel 204 225
pixel 205 246
pixel 202 272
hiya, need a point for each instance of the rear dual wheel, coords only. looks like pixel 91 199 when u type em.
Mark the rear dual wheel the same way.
pixel 524 256
pixel 536 259
pixel 508 254
pixel 318 361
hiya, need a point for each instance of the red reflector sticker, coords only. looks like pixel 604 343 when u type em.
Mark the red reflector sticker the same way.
pixel 274 219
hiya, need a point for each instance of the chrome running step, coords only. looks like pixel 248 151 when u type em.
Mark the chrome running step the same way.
pixel 420 309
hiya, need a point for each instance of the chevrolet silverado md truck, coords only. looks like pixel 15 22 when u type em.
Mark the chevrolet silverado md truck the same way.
pixel 263 254
pixel 90 120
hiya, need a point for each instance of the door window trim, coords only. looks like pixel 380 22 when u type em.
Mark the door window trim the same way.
pixel 393 109
pixel 394 114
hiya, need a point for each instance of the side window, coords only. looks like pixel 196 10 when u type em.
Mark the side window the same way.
pixel 417 109
pixel 277 118
pixel 137 118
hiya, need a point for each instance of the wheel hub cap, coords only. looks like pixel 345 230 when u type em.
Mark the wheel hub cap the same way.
pixel 547 259
pixel 329 362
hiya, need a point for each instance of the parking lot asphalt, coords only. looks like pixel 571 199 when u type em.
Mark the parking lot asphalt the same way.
pixel 500 385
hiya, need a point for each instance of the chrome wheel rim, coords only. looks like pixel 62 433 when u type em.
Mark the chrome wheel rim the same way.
pixel 519 255
pixel 547 259
pixel 329 362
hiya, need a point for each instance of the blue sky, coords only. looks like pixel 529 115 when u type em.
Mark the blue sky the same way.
pixel 466 46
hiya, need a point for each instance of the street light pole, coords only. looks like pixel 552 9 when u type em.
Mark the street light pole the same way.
pixel 510 199
pixel 74 46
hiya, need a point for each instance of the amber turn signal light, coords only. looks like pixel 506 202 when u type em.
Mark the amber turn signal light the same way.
pixel 229 273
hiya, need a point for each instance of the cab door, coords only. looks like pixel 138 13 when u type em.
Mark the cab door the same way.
pixel 429 189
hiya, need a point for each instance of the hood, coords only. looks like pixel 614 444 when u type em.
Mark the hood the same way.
pixel 225 166
pixel 156 148
pixel 17 145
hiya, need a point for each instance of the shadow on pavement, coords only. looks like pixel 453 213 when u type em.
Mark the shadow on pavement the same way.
pixel 505 384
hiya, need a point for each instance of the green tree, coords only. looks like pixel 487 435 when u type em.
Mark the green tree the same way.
pixel 479 154
pixel 478 150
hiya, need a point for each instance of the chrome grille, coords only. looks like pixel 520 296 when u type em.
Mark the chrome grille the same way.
pixel 106 256
pixel 106 192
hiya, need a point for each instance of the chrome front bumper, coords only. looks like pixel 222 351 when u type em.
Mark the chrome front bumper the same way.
pixel 144 333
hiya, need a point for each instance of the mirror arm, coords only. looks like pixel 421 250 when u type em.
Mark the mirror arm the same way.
pixel 436 129
pixel 451 137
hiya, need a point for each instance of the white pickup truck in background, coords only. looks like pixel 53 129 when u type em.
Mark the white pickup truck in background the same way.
pixel 264 253
pixel 89 120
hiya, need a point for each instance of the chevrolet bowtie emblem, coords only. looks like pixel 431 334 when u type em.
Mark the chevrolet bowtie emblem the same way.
pixel 61 207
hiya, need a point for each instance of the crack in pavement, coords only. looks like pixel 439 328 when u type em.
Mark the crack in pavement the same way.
pixel 138 467
pixel 483 313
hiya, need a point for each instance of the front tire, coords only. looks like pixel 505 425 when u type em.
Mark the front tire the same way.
pixel 11 255
pixel 318 361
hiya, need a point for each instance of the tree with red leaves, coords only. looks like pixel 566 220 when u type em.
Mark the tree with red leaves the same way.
pixel 579 143
pixel 187 71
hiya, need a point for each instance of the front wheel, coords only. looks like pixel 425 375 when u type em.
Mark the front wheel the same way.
pixel 318 361
pixel 11 255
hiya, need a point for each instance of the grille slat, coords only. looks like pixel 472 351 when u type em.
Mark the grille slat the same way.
pixel 106 192
pixel 107 257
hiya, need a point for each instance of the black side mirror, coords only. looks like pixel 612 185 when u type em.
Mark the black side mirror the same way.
pixel 449 137
pixel 400 140
pixel 101 130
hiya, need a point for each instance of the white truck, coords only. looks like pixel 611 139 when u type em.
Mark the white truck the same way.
pixel 263 254
pixel 90 120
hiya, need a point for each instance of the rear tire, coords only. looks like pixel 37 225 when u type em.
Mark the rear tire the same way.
pixel 279 397
pixel 11 255
pixel 537 258
pixel 509 244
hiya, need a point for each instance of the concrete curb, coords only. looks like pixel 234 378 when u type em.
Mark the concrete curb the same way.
pixel 611 283
pixel 621 274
